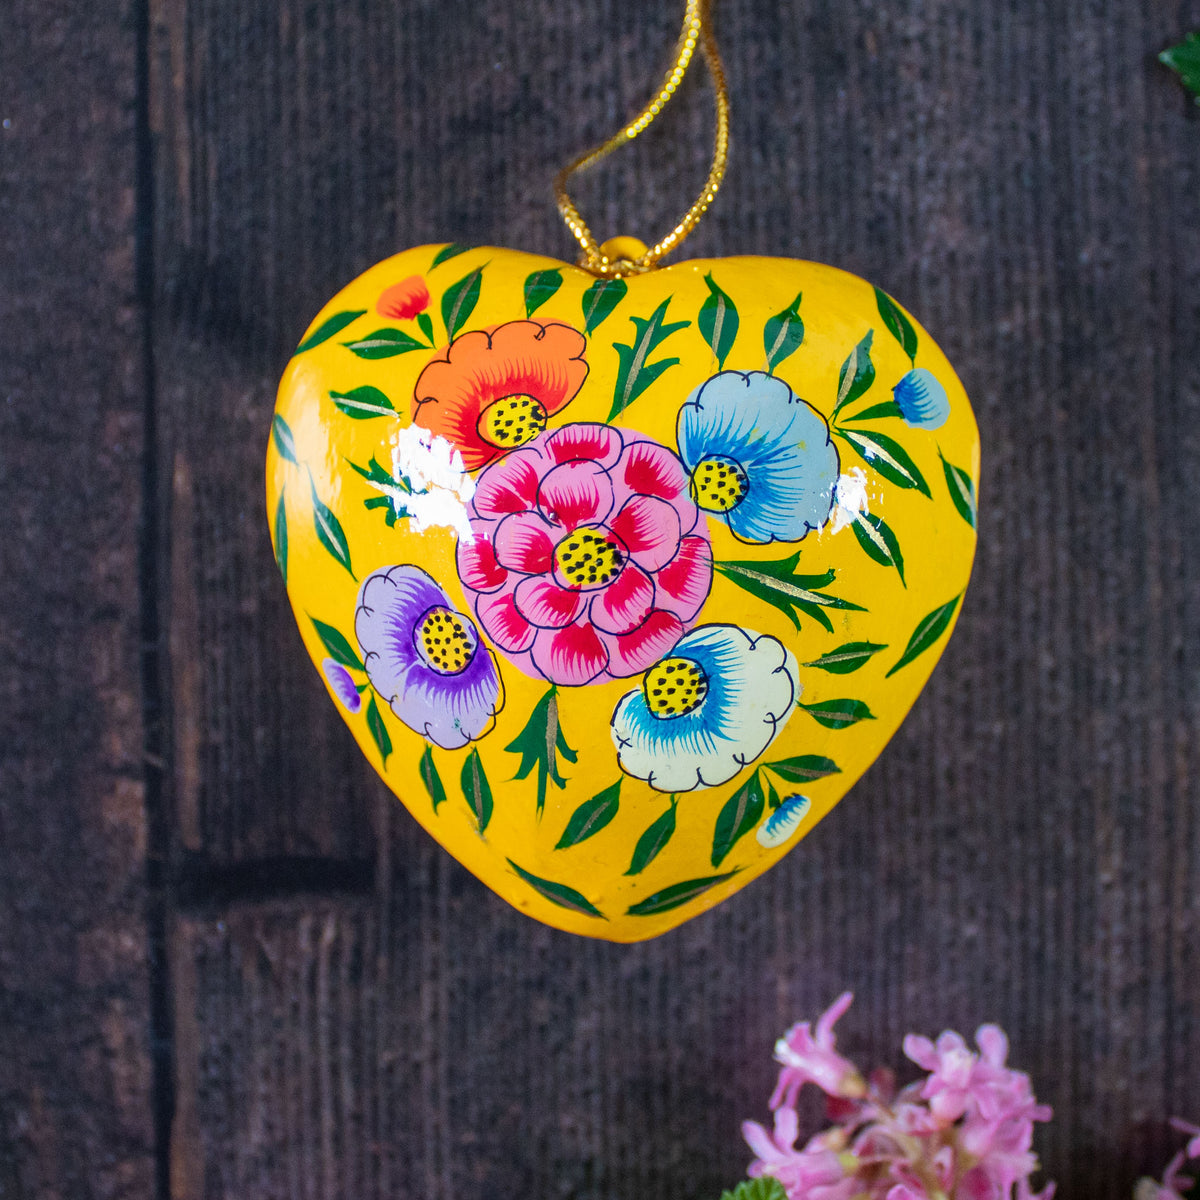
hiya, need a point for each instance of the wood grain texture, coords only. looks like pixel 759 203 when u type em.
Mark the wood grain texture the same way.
pixel 1028 849
pixel 75 1109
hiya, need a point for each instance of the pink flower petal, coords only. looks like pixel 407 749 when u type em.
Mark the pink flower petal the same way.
pixel 625 603
pixel 477 565
pixel 600 444
pixel 544 604
pixel 652 470
pixel 572 656
pixel 650 530
pixel 576 493
pixel 508 486
pixel 503 624
pixel 525 543
pixel 684 583
pixel 632 653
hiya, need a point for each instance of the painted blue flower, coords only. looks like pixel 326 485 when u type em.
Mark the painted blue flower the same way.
pixel 758 456
pixel 342 684
pixel 922 400
pixel 709 708
pixel 783 822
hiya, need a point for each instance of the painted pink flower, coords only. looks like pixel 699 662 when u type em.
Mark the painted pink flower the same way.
pixel 589 559
pixel 809 1059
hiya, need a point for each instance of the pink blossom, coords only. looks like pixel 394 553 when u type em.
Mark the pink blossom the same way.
pixel 808 1059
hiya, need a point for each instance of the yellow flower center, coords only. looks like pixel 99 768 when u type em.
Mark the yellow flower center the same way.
pixel 587 559
pixel 719 483
pixel 512 421
pixel 445 641
pixel 674 687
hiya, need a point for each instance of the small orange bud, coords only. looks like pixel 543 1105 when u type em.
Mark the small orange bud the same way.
pixel 403 300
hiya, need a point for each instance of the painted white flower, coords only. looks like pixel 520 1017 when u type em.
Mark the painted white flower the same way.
pixel 783 822
pixel 707 710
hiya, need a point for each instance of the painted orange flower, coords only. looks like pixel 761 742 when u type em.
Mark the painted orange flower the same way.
pixel 493 389
pixel 404 300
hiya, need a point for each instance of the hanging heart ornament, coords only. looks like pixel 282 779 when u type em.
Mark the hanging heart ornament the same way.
pixel 620 583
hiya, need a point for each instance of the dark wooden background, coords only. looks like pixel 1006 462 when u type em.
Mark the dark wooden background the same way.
pixel 230 965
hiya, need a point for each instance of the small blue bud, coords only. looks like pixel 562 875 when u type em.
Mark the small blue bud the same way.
pixel 922 400
pixel 783 822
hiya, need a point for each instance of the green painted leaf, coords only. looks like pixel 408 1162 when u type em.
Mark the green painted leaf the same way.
pixel 338 646
pixel 889 408
pixel 739 815
pixel 857 373
pixel 962 490
pixel 1184 59
pixel 425 323
pixel 783 334
pixel 718 321
pixel 476 790
pixel 539 287
pixel 539 744
pixel 448 252
pixel 600 299
pixel 875 536
pixel 281 537
pixel 327 329
pixel 927 632
pixel 838 714
pixel 766 1187
pixel 886 456
pixel 776 583
pixel 637 372
pixel 375 472
pixel 804 768
pixel 379 733
pixel 363 403
pixel 848 657
pixel 898 324
pixel 281 434
pixel 384 343
pixel 330 532
pixel 591 817
pixel 676 895
pixel 652 841
pixel 459 302
pixel 773 801
pixel 431 779
pixel 559 893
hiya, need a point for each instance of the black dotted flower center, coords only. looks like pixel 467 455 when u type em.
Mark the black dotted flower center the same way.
pixel 719 483
pixel 674 687
pixel 512 421
pixel 587 559
pixel 445 641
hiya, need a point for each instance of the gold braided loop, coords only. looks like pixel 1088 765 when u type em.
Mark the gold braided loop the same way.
pixel 597 258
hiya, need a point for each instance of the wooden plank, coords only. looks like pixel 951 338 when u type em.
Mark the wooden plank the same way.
pixel 76 1118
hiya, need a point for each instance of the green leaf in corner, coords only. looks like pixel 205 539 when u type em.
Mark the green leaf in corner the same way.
pixel 856 375
pixel 459 301
pixel 718 321
pixel 888 408
pixel 898 325
pixel 962 490
pixel 558 893
pixel 281 537
pixel 384 343
pixel 379 733
pixel 330 532
pixel 363 403
pixel 600 299
pixel 476 790
pixel 1184 59
pixel 804 768
pixel 776 583
pixel 739 815
pixel 338 646
pixel 539 287
pixel 591 817
pixel 887 456
pixel 281 434
pixel 327 329
pixel 653 840
pixel 431 779
pixel 539 745
pixel 848 657
pixel 676 895
pixel 875 536
pixel 448 252
pixel 637 372
pixel 838 714
pixel 927 632
pixel 766 1187
pixel 783 334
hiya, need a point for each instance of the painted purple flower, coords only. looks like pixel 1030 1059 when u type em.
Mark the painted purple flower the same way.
pixel 424 659
pixel 341 682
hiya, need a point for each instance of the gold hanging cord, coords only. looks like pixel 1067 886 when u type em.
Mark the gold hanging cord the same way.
pixel 597 258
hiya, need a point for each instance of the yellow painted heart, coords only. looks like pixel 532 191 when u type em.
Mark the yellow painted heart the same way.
pixel 620 583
